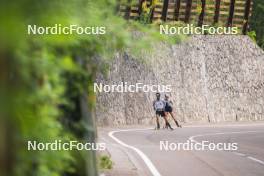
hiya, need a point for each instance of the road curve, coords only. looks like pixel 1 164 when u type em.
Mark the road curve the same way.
pixel 248 160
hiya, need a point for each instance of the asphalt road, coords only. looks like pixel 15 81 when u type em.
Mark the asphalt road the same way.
pixel 144 146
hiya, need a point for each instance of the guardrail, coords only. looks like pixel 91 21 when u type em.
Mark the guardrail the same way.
pixel 211 12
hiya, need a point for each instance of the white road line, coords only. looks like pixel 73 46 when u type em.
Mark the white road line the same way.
pixel 222 125
pixel 256 160
pixel 147 161
pixel 237 153
pixel 213 134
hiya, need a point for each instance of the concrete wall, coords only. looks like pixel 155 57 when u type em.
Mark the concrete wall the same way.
pixel 213 78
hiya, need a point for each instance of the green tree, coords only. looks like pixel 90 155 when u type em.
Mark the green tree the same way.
pixel 257 21
pixel 46 81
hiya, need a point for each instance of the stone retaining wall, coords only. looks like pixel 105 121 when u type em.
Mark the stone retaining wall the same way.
pixel 213 78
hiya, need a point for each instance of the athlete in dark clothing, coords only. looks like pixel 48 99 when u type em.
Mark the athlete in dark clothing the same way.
pixel 159 107
pixel 168 110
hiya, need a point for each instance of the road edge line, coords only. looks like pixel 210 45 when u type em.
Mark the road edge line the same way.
pixel 191 138
pixel 146 160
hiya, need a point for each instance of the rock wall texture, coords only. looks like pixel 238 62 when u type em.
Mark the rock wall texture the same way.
pixel 213 78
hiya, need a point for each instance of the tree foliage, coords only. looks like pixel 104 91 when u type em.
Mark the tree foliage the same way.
pixel 257 21
pixel 45 79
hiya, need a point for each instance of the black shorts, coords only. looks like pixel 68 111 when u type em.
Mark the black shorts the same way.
pixel 168 109
pixel 160 113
